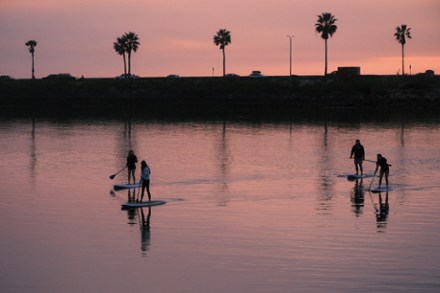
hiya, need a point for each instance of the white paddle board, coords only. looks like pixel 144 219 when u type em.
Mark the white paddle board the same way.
pixel 134 204
pixel 126 186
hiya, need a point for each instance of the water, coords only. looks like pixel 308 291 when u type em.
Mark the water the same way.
pixel 251 207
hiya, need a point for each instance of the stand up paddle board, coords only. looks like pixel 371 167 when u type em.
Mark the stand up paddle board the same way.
pixel 382 189
pixel 133 204
pixel 126 186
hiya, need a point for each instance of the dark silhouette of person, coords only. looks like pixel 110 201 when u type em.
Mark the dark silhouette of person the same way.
pixel 131 165
pixel 358 152
pixel 384 169
pixel 145 180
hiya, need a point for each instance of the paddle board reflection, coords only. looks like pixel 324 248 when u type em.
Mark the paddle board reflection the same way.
pixel 358 197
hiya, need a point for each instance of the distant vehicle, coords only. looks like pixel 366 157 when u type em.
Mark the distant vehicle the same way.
pixel 60 76
pixel 173 76
pixel 256 74
pixel 429 73
pixel 127 76
pixel 232 75
pixel 5 77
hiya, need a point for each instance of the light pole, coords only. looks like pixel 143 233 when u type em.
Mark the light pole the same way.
pixel 290 39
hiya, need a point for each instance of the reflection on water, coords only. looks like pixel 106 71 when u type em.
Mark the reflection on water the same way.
pixel 358 197
pixel 382 209
pixel 244 199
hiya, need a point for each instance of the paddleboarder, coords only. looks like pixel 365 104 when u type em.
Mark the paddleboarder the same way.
pixel 384 168
pixel 145 180
pixel 358 152
pixel 131 165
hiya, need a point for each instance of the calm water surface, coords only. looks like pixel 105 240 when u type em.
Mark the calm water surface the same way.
pixel 251 207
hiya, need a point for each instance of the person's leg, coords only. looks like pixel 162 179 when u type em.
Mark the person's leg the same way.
pixel 143 187
pixel 360 167
pixel 148 189
pixel 380 178
pixel 386 177
pixel 356 166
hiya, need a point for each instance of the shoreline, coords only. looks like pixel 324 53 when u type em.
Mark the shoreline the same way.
pixel 195 94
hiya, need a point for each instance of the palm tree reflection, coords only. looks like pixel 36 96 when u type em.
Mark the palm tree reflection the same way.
pixel 33 153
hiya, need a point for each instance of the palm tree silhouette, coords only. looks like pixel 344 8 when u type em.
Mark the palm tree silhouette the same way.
pixel 31 44
pixel 132 45
pixel 402 32
pixel 325 25
pixel 223 38
pixel 119 47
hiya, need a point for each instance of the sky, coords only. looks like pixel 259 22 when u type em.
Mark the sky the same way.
pixel 76 36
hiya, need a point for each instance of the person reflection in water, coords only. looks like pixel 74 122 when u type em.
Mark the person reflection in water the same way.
pixel 358 197
pixel 131 165
pixel 131 194
pixel 145 180
pixel 382 212
pixel 358 152
pixel 384 169
pixel 144 225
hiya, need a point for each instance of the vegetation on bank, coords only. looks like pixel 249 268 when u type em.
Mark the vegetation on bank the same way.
pixel 198 94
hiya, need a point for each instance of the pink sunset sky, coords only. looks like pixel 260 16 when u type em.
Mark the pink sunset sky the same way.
pixel 76 36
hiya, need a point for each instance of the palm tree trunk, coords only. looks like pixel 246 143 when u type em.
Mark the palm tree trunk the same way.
pixel 33 67
pixel 129 63
pixel 325 69
pixel 125 64
pixel 403 60
pixel 224 62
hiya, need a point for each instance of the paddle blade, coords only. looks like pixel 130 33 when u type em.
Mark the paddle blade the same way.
pixel 112 176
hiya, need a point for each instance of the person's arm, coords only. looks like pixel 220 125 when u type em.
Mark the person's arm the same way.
pixel 352 152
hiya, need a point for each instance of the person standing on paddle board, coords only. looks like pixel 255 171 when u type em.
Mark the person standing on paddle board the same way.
pixel 384 169
pixel 131 165
pixel 145 180
pixel 358 152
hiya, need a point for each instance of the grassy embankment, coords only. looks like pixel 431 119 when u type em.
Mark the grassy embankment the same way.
pixel 217 94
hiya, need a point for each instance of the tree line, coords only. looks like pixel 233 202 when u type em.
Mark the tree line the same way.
pixel 325 25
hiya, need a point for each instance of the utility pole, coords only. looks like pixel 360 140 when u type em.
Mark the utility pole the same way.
pixel 290 51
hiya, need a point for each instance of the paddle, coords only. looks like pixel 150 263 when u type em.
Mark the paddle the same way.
pixel 372 178
pixel 113 176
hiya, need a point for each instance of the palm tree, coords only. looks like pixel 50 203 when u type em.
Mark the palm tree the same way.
pixel 402 32
pixel 119 47
pixel 31 44
pixel 223 38
pixel 325 25
pixel 132 45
